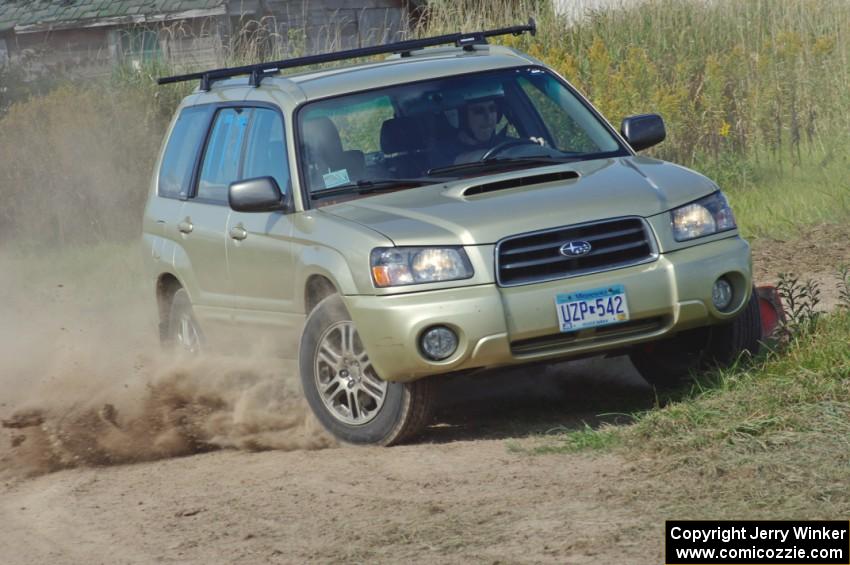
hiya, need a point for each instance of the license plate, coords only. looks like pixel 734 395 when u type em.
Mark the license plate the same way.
pixel 592 308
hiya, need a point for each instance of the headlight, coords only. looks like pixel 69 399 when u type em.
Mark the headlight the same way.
pixel 706 216
pixel 396 266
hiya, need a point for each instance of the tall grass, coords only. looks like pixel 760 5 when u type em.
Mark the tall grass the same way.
pixel 75 165
pixel 770 440
pixel 762 80
pixel 753 93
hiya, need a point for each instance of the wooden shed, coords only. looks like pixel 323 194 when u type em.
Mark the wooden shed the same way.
pixel 89 37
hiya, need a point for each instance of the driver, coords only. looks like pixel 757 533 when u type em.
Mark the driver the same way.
pixel 478 120
pixel 477 132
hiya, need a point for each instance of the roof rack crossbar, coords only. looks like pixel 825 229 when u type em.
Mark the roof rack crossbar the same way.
pixel 261 70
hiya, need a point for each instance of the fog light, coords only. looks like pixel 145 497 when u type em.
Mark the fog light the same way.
pixel 721 294
pixel 439 343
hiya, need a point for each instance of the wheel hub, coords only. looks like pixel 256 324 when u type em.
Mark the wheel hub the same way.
pixel 347 383
pixel 187 336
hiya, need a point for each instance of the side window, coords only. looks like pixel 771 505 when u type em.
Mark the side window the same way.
pixel 265 155
pixel 175 173
pixel 221 157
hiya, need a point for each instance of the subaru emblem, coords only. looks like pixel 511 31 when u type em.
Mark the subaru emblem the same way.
pixel 575 248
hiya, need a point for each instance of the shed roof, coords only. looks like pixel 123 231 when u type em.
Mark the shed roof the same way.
pixel 41 15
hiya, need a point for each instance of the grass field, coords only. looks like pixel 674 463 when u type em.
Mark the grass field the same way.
pixel 754 94
pixel 768 439
pixel 782 203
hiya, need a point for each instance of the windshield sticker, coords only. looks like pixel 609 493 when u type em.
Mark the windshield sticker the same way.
pixel 336 178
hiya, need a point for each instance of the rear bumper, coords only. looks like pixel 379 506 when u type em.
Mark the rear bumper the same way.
pixel 505 326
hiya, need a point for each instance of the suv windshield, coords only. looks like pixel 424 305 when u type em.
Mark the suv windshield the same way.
pixel 467 124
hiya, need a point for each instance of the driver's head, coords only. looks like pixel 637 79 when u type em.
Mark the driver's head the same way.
pixel 481 117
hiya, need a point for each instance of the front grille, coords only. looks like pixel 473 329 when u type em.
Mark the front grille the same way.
pixel 536 257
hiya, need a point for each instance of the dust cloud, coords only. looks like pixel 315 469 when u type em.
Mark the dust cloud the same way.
pixel 164 410
pixel 83 379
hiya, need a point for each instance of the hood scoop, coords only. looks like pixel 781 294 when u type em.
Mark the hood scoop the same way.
pixel 517 182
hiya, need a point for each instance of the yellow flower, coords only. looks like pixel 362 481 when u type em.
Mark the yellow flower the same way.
pixel 824 45
pixel 725 128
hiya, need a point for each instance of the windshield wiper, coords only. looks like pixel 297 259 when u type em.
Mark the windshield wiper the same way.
pixel 371 185
pixel 504 162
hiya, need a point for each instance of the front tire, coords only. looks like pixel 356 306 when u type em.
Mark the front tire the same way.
pixel 671 362
pixel 345 392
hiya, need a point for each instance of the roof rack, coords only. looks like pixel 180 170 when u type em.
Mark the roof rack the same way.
pixel 261 70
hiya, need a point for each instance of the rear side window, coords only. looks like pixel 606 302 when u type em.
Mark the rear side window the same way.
pixel 224 149
pixel 175 174
pixel 265 154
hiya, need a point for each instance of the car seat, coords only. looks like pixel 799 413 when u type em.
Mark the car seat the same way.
pixel 404 146
pixel 325 153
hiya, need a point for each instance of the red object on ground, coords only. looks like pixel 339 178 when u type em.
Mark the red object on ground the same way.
pixel 770 306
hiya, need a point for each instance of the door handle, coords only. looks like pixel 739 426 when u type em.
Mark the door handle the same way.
pixel 186 225
pixel 238 232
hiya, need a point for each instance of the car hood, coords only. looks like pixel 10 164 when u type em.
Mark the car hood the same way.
pixel 450 214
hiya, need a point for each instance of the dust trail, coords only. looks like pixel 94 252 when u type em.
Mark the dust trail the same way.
pixel 179 408
pixel 83 380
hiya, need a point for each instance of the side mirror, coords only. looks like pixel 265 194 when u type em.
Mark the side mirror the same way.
pixel 255 195
pixel 643 131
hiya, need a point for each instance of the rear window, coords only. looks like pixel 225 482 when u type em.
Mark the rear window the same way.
pixel 175 174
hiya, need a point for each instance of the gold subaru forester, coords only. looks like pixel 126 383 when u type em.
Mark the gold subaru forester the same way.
pixel 452 207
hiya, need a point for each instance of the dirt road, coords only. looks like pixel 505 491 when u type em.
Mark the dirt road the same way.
pixel 466 502
pixel 283 493
pixel 465 494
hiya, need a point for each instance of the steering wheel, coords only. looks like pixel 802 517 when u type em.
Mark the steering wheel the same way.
pixel 499 147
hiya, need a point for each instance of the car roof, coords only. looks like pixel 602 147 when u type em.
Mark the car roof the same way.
pixel 424 64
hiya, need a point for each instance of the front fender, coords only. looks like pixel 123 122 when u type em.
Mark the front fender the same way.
pixel 327 263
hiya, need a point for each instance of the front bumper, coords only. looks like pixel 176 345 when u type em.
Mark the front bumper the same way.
pixel 512 325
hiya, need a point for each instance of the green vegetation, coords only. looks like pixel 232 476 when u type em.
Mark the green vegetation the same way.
pixel 762 80
pixel 781 203
pixel 584 439
pixel 769 437
pixel 754 94
pixel 804 369
pixel 804 391
pixel 774 439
